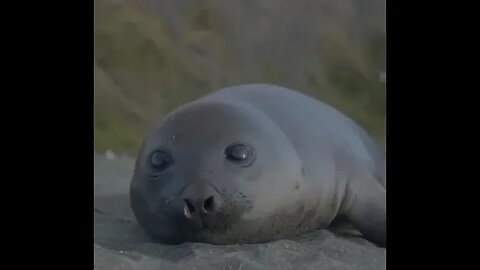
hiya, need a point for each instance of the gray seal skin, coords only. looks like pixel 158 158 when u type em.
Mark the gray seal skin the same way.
pixel 255 163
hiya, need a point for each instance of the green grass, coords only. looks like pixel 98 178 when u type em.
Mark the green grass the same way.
pixel 142 72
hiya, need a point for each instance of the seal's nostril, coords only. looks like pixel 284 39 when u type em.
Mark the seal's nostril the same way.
pixel 189 209
pixel 209 204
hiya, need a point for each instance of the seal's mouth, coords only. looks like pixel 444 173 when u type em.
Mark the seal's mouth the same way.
pixel 215 222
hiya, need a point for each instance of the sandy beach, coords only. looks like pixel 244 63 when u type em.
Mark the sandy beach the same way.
pixel 121 244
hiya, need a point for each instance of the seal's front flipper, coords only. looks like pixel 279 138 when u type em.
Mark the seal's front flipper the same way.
pixel 367 209
pixel 343 227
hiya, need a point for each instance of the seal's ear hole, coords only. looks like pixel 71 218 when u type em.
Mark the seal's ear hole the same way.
pixel 240 153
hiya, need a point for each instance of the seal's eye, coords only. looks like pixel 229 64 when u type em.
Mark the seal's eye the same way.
pixel 239 153
pixel 160 160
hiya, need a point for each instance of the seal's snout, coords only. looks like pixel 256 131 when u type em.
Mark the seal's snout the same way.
pixel 206 206
pixel 200 200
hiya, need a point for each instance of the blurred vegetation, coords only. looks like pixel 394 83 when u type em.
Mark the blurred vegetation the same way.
pixel 153 55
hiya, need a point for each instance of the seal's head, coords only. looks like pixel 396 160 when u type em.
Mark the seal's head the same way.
pixel 212 171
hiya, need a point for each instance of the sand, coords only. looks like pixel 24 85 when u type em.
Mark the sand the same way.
pixel 121 244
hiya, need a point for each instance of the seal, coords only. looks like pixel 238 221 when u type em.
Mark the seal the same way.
pixel 256 163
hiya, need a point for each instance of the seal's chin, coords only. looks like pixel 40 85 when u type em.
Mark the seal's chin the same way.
pixel 187 230
pixel 180 221
pixel 176 230
pixel 213 223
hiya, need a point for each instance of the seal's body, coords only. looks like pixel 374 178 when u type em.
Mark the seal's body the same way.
pixel 255 163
